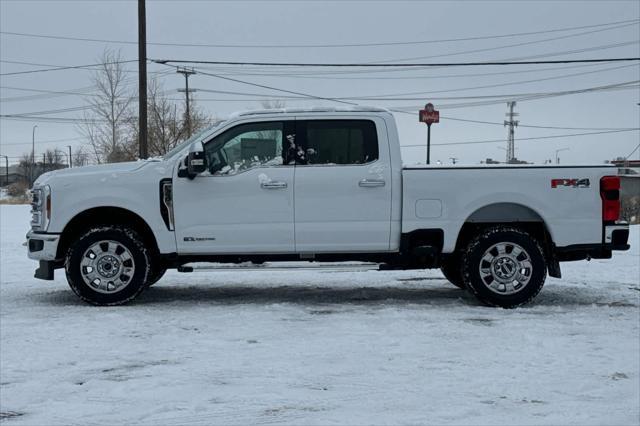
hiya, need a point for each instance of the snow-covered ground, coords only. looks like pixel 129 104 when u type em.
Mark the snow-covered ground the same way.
pixel 318 347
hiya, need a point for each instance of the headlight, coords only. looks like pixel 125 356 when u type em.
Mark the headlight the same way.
pixel 40 208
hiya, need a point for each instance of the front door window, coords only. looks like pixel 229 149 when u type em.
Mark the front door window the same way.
pixel 245 147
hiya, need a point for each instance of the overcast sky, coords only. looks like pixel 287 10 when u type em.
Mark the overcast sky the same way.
pixel 278 23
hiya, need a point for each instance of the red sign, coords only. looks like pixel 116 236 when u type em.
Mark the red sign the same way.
pixel 429 115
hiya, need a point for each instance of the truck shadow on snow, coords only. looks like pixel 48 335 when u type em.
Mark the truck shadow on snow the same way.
pixel 437 292
pixel 305 295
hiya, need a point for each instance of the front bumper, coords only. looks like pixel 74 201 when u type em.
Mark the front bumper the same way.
pixel 42 246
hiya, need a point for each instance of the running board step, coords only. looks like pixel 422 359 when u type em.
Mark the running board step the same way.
pixel 285 266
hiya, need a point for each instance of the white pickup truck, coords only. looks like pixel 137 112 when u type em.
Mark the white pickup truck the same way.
pixel 319 185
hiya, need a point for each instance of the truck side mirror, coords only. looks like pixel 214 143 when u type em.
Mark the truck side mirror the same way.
pixel 196 160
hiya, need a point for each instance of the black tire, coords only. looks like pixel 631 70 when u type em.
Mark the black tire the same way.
pixel 487 285
pixel 452 270
pixel 155 273
pixel 132 286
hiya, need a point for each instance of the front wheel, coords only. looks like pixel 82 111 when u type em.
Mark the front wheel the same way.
pixel 504 266
pixel 107 265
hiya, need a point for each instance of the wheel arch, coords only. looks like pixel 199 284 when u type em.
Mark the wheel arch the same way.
pixel 105 215
pixel 514 214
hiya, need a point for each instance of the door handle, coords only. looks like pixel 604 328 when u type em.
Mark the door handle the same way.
pixel 371 183
pixel 273 185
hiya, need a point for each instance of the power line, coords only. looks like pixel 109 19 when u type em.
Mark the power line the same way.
pixel 534 126
pixel 568 135
pixel 43 141
pixel 96 68
pixel 500 98
pixel 33 116
pixel 65 68
pixel 329 75
pixel 631 153
pixel 50 119
pixel 37 115
pixel 341 45
pixel 386 65
pixel 275 88
pixel 507 46
pixel 382 97
pixel 82 91
pixel 613 87
pixel 512 59
pixel 48 94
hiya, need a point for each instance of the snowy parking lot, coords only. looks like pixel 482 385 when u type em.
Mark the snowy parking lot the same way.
pixel 318 347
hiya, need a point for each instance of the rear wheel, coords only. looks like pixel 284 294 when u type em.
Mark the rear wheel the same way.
pixel 107 265
pixel 504 266
pixel 452 271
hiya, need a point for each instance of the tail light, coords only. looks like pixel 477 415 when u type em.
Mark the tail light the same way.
pixel 610 194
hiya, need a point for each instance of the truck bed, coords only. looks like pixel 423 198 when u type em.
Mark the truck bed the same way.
pixel 570 208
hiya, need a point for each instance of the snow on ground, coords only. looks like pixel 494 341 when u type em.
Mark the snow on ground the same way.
pixel 318 347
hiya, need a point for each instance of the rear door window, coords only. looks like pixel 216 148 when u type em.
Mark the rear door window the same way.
pixel 336 142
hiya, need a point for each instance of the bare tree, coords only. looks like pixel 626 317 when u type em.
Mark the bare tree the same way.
pixel 105 124
pixel 25 166
pixel 199 120
pixel 53 160
pixel 80 157
pixel 167 123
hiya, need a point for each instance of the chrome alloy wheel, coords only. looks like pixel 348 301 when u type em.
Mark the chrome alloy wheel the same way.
pixel 505 268
pixel 107 267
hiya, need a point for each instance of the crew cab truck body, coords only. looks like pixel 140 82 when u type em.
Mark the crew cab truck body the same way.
pixel 319 185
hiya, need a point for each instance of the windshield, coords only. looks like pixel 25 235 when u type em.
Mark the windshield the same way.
pixel 192 139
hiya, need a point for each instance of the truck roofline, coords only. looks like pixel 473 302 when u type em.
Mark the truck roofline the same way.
pixel 509 166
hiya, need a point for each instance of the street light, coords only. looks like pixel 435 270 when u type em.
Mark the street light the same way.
pixel 33 152
pixel 70 165
pixel 560 150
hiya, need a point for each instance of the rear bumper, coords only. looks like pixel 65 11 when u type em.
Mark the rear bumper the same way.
pixel 615 237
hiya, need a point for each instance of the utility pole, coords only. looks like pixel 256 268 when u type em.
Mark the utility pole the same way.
pixel 142 78
pixel 511 133
pixel 6 170
pixel 187 72
pixel 70 160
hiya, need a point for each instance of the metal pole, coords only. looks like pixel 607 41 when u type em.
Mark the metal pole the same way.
pixel 511 133
pixel 186 87
pixel 70 161
pixel 187 72
pixel 560 150
pixel 142 78
pixel 428 143
pixel 33 153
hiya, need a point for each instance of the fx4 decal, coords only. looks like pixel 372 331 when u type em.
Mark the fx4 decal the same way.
pixel 573 183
